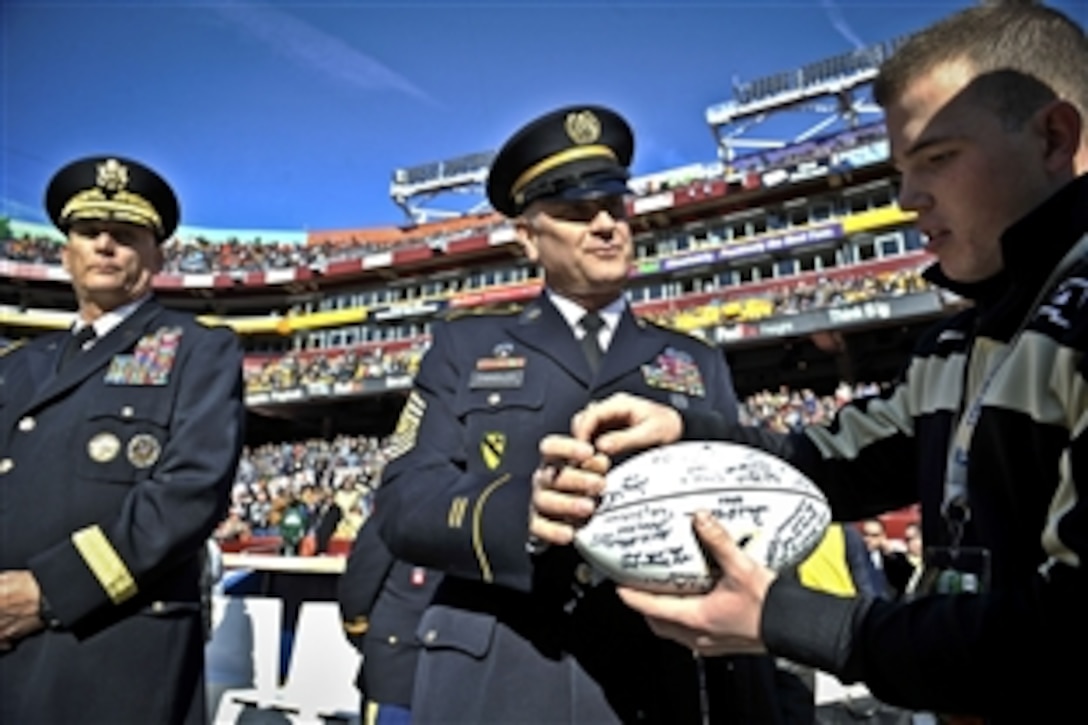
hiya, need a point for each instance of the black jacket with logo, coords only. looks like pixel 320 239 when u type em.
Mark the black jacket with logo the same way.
pixel 1008 654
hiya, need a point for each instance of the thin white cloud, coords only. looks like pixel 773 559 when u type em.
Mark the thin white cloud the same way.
pixel 16 209
pixel 840 24
pixel 315 49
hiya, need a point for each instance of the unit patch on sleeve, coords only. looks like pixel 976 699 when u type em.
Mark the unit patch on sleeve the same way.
pixel 492 448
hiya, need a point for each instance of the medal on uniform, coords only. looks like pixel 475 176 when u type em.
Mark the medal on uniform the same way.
pixel 143 450
pixel 103 447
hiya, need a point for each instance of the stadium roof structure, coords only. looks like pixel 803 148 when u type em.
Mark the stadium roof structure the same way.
pixel 415 188
pixel 836 88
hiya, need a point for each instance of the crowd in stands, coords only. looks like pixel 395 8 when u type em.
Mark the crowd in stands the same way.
pixel 31 250
pixel 295 370
pixel 315 486
pixel 847 290
pixel 195 255
pixel 786 410
pixel 734 305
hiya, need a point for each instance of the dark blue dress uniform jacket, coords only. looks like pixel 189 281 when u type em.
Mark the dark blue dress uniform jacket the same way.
pixel 113 474
pixel 381 601
pixel 513 637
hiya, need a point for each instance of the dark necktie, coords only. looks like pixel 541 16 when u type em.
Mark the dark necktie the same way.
pixel 591 322
pixel 75 346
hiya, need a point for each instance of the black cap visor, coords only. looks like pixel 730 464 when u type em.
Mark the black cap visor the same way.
pixel 612 182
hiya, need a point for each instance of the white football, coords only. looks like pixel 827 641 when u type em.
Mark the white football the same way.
pixel 641 534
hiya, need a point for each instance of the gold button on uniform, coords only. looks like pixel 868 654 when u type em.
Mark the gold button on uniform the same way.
pixel 430 636
pixel 583 573
pixel 27 424
pixel 6 465
pixel 393 639
pixel 127 411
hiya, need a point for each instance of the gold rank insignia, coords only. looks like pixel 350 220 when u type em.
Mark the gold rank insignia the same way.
pixel 143 450
pixel 492 448
pixel 103 447
pixel 357 626
pixel 404 436
pixel 583 127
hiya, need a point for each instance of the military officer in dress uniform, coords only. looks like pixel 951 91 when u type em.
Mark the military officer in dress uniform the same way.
pixel 381 602
pixel 520 633
pixel 118 444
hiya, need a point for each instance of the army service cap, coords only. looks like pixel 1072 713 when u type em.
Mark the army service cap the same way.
pixel 577 152
pixel 112 188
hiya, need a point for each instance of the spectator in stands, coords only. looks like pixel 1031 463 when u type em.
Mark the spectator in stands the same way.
pixel 119 440
pixel 893 569
pixel 985 112
pixel 520 635
pixel 293 525
pixel 912 536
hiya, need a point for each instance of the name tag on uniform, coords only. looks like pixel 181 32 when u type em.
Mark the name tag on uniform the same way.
pixel 496 379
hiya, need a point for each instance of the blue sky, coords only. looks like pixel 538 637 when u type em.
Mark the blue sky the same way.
pixel 292 115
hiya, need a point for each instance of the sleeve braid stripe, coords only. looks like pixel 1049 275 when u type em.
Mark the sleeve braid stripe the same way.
pixel 105 563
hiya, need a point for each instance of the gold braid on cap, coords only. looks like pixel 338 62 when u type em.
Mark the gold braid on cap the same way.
pixel 123 207
pixel 575 153
pixel 120 205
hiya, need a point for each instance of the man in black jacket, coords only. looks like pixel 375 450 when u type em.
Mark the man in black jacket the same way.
pixel 381 602
pixel 988 427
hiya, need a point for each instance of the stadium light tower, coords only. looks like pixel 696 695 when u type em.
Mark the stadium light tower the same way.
pixel 414 188
pixel 835 87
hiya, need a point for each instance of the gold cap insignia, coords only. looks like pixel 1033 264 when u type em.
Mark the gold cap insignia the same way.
pixel 112 175
pixel 103 447
pixel 583 127
pixel 143 450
